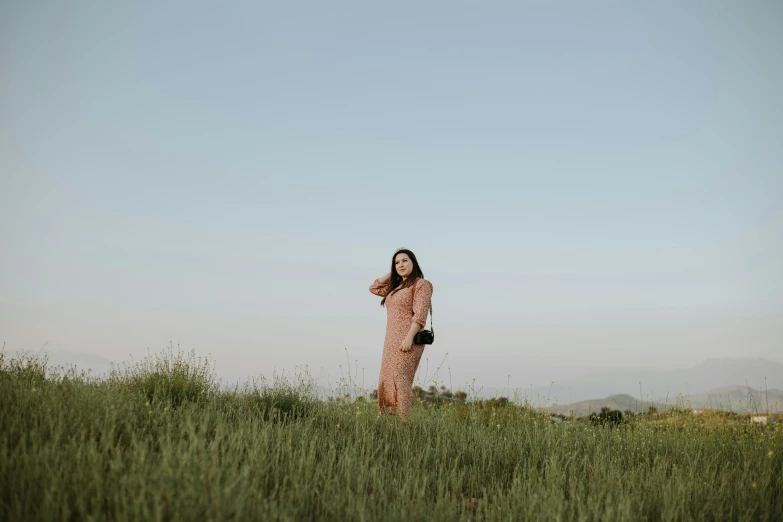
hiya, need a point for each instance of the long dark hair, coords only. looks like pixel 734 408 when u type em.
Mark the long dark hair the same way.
pixel 395 281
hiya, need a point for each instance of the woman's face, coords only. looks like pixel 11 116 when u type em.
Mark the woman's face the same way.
pixel 403 264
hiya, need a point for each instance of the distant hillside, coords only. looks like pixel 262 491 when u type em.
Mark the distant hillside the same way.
pixel 620 402
pixel 96 364
pixel 666 385
pixel 735 398
pixel 739 398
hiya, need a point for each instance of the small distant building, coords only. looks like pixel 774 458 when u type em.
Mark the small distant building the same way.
pixel 767 418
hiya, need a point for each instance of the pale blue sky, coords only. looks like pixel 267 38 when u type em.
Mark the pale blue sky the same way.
pixel 585 185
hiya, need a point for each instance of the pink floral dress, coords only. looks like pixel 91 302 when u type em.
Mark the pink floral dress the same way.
pixel 397 367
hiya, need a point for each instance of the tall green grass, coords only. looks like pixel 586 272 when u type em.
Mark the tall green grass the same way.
pixel 160 440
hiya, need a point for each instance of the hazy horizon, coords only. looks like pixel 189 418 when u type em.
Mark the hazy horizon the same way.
pixel 587 187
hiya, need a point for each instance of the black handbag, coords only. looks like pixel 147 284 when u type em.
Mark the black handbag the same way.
pixel 424 336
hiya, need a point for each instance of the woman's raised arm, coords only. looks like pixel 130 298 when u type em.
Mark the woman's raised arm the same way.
pixel 378 287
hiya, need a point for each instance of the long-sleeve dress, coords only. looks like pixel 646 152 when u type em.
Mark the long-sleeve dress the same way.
pixel 397 367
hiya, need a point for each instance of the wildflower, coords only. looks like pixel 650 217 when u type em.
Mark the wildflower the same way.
pixel 753 485
pixel 770 453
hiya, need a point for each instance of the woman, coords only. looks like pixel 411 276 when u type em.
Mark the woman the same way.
pixel 406 295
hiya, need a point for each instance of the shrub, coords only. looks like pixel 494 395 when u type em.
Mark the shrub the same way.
pixel 607 416
pixel 25 368
pixel 285 398
pixel 170 377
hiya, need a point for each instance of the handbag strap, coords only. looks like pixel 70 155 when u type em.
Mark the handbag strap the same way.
pixel 432 317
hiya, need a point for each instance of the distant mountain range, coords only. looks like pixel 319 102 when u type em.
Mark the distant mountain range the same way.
pixel 620 402
pixel 667 385
pixel 95 364
pixel 739 398
pixel 735 398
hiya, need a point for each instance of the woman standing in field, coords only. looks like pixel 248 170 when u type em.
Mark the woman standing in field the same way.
pixel 406 295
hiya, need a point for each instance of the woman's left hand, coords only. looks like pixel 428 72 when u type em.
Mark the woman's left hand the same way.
pixel 407 343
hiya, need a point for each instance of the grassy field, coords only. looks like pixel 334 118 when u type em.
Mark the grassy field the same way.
pixel 160 441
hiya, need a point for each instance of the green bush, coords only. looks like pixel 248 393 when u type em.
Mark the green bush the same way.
pixel 286 397
pixel 24 369
pixel 171 378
